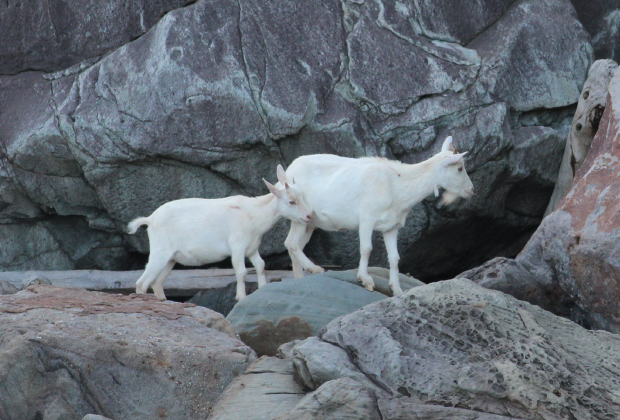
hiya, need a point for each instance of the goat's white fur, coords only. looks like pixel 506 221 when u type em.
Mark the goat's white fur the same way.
pixel 196 231
pixel 369 194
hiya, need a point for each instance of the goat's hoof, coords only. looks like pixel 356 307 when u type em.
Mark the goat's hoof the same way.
pixel 315 270
pixel 239 297
pixel 369 287
pixel 367 282
pixel 396 291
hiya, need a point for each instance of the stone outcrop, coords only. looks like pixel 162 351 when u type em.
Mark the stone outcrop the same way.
pixel 573 256
pixel 215 94
pixel 602 20
pixel 448 350
pixel 66 353
pixel 298 308
pixel 590 108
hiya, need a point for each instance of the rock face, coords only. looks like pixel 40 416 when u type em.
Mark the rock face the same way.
pixel 452 344
pixel 298 308
pixel 65 353
pixel 602 20
pixel 573 256
pixel 590 108
pixel 219 92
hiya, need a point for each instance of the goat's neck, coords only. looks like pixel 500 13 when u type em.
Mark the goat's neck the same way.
pixel 266 213
pixel 416 181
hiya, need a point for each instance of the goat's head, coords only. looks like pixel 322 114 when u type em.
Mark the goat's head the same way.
pixel 451 174
pixel 291 201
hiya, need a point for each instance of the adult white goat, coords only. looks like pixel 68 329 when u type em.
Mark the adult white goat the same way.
pixel 197 231
pixel 369 194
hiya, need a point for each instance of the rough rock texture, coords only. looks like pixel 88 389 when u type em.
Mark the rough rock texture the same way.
pixel 590 108
pixel 65 353
pixel 448 350
pixel 601 19
pixel 456 344
pixel 7 288
pixel 222 299
pixel 298 308
pixel 217 93
pixel 574 255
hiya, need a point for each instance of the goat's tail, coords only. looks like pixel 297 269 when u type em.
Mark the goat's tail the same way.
pixel 133 226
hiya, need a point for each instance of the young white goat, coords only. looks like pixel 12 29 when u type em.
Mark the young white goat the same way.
pixel 196 231
pixel 369 194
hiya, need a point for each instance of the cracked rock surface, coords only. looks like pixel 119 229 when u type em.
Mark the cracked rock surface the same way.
pixel 571 264
pixel 452 350
pixel 66 353
pixel 208 99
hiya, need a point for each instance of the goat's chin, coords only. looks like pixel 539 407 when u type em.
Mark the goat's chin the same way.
pixel 448 198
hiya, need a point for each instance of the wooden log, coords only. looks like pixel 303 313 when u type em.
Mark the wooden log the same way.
pixel 179 283
pixel 590 107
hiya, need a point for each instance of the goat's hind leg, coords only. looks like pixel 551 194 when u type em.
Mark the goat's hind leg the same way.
pixel 365 233
pixel 391 245
pixel 155 266
pixel 259 265
pixel 238 262
pixel 297 238
pixel 158 284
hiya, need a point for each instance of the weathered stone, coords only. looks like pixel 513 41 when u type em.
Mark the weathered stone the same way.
pixel 453 343
pixel 222 299
pixel 602 20
pixel 266 390
pixel 68 352
pixel 94 417
pixel 54 35
pixel 585 124
pixel 7 288
pixel 573 256
pixel 217 93
pixel 298 308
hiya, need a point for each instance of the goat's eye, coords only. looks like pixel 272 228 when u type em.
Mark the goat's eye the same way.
pixel 460 169
pixel 292 203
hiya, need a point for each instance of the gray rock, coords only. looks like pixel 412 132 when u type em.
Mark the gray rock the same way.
pixel 266 390
pixel 298 308
pixel 602 20
pixel 216 94
pixel 54 35
pixel 590 108
pixel 574 253
pixel 34 280
pixel 65 353
pixel 222 299
pixel 454 343
pixel 7 288
pixel 94 417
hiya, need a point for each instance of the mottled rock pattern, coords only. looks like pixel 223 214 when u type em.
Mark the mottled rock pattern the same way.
pixel 266 390
pixel 453 343
pixel 216 94
pixel 590 108
pixel 66 353
pixel 602 20
pixel 298 308
pixel 222 299
pixel 573 256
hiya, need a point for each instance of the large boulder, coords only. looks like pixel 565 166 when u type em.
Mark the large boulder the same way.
pixel 601 19
pixel 298 308
pixel 446 345
pixel 65 353
pixel 216 94
pixel 574 255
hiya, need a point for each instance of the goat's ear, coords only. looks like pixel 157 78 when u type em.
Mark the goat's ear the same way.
pixel 446 144
pixel 282 176
pixel 274 190
pixel 451 160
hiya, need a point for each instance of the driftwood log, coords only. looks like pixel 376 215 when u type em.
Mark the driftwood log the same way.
pixel 590 109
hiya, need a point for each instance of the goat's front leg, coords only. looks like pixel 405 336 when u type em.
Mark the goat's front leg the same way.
pixel 365 249
pixel 259 265
pixel 297 238
pixel 391 245
pixel 238 262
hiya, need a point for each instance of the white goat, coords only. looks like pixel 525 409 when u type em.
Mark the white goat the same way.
pixel 369 194
pixel 196 231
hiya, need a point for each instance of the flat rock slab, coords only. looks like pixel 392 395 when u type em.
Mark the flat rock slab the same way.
pixel 265 391
pixel 66 353
pixel 178 283
pixel 299 308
